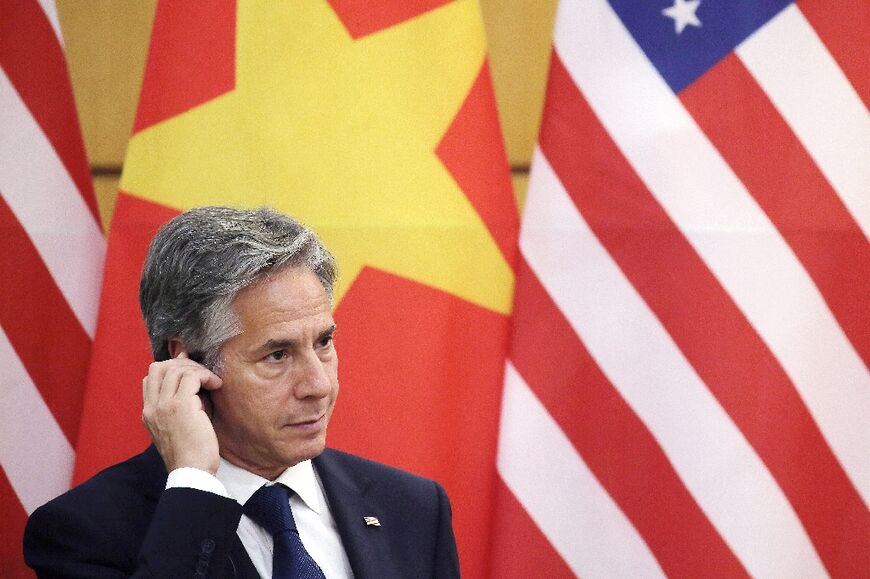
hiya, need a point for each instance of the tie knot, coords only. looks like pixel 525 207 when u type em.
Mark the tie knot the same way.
pixel 269 507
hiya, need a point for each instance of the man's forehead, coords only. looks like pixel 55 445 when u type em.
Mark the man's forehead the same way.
pixel 289 281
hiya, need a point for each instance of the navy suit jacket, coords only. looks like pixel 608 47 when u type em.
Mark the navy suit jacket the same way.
pixel 122 523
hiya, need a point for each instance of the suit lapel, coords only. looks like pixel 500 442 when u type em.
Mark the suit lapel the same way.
pixel 367 546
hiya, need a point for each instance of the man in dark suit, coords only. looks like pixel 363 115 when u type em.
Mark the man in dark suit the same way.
pixel 238 482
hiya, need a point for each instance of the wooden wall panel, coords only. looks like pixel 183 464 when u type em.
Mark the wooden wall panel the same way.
pixel 106 43
pixel 519 33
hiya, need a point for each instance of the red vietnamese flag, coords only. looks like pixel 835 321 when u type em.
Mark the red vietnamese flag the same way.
pixel 378 129
pixel 50 267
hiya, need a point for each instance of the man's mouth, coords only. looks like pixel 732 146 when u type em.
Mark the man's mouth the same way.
pixel 312 424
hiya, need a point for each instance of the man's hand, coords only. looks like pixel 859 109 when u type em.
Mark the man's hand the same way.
pixel 176 417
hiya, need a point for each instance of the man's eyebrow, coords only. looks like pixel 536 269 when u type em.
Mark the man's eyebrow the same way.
pixel 273 344
pixel 277 345
pixel 328 331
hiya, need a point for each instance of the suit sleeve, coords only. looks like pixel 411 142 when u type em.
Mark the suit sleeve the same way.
pixel 446 564
pixel 190 535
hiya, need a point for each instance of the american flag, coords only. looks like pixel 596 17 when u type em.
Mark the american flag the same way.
pixel 688 391
pixel 51 256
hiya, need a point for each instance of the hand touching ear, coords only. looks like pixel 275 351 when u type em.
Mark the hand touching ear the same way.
pixel 176 417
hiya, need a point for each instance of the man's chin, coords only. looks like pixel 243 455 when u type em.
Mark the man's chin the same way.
pixel 308 450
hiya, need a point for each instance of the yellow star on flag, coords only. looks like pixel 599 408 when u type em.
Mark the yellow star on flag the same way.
pixel 340 133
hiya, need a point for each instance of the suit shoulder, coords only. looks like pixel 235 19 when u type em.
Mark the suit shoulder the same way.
pixel 370 470
pixel 382 482
pixel 112 493
pixel 78 525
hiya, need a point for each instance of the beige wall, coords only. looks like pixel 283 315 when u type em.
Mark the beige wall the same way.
pixel 107 40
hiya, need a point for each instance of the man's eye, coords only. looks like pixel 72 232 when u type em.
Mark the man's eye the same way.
pixel 325 341
pixel 277 355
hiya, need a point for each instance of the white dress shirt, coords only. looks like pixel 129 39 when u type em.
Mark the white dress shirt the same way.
pixel 317 528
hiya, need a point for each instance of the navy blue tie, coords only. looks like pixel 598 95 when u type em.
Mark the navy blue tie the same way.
pixel 269 507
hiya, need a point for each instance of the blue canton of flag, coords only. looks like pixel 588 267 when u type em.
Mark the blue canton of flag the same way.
pixel 682 57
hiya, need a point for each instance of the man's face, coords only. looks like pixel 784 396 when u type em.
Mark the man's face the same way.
pixel 280 374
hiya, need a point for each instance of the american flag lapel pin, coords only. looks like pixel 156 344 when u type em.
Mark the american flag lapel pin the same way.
pixel 372 521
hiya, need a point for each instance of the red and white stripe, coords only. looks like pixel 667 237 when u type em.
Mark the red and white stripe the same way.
pixel 51 262
pixel 688 388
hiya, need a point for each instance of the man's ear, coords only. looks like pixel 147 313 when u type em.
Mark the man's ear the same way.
pixel 176 346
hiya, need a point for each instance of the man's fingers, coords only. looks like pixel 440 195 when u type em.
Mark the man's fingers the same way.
pixel 212 381
pixel 165 378
pixel 151 383
pixel 191 381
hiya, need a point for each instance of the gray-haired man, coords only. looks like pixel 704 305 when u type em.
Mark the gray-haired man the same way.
pixel 238 305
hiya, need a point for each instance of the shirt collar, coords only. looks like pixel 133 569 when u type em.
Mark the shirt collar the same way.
pixel 242 484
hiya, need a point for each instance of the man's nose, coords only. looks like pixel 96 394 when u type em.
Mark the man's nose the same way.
pixel 314 379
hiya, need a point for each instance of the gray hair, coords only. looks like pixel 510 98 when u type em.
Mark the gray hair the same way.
pixel 200 260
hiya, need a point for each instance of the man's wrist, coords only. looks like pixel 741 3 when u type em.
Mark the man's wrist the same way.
pixel 194 478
